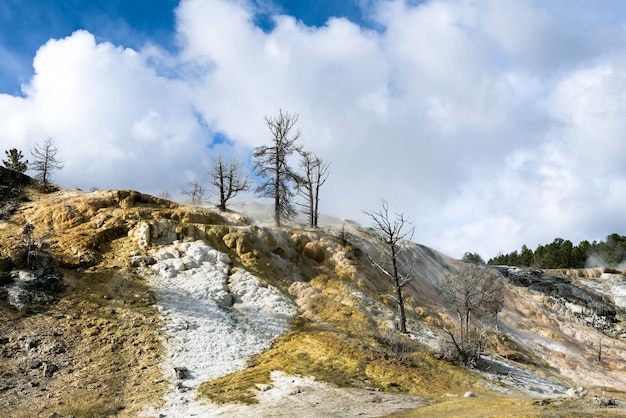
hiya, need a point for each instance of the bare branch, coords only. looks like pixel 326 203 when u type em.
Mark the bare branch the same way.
pixel 314 175
pixel 228 180
pixel 392 232
pixel 271 163
pixel 474 294
pixel 45 161
pixel 380 267
pixel 195 193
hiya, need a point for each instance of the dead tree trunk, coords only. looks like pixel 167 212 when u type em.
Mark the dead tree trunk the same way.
pixel 393 233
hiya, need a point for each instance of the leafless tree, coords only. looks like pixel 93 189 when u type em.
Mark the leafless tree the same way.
pixel 474 294
pixel 271 164
pixel 228 179
pixel 394 232
pixel 343 235
pixel 314 175
pixel 195 192
pixel 45 161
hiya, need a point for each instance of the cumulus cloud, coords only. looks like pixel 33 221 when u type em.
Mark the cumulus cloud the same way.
pixel 491 124
pixel 116 122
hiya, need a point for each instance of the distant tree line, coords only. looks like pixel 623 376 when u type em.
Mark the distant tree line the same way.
pixel 562 253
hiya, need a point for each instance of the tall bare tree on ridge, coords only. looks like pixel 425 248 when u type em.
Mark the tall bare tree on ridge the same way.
pixel 228 179
pixel 314 175
pixel 45 161
pixel 271 164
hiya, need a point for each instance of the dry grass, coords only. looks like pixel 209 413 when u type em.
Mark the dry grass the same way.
pixel 502 406
pixel 86 408
pixel 336 358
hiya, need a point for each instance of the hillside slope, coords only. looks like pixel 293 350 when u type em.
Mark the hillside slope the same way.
pixel 131 305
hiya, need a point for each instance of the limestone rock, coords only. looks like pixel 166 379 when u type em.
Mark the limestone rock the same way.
pixel 314 251
pixel 579 392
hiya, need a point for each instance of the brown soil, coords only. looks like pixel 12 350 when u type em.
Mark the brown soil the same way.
pixel 102 335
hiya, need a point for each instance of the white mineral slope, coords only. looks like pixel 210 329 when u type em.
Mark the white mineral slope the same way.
pixel 610 285
pixel 215 319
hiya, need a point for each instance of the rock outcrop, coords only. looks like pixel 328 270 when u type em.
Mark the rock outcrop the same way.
pixel 578 302
pixel 13 179
pixel 11 193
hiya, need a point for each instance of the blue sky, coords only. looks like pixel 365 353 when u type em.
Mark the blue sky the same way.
pixel 28 24
pixel 25 25
pixel 489 123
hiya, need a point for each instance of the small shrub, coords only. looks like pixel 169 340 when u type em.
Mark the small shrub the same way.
pixel 444 349
pixel 397 346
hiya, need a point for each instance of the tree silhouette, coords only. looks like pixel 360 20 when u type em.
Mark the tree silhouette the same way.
pixel 45 161
pixel 228 179
pixel 195 192
pixel 271 164
pixel 314 175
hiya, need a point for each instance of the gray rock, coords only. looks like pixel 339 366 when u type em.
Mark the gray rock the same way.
pixel 181 373
pixel 31 343
pixel 34 363
pixel 579 392
pixel 49 369
pixel 142 261
pixel 605 402
pixel 58 349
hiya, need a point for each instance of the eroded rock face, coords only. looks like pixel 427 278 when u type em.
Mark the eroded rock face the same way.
pixel 11 195
pixel 314 251
pixel 581 304
pixel 33 289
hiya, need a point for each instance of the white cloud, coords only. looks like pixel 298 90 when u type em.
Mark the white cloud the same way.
pixel 491 124
pixel 115 121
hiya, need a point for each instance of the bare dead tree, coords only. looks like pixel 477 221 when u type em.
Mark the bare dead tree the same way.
pixel 45 161
pixel 314 175
pixel 474 294
pixel 195 192
pixel 271 163
pixel 393 232
pixel 343 235
pixel 228 180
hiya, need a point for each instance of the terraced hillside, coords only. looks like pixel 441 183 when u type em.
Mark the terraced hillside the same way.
pixel 120 303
